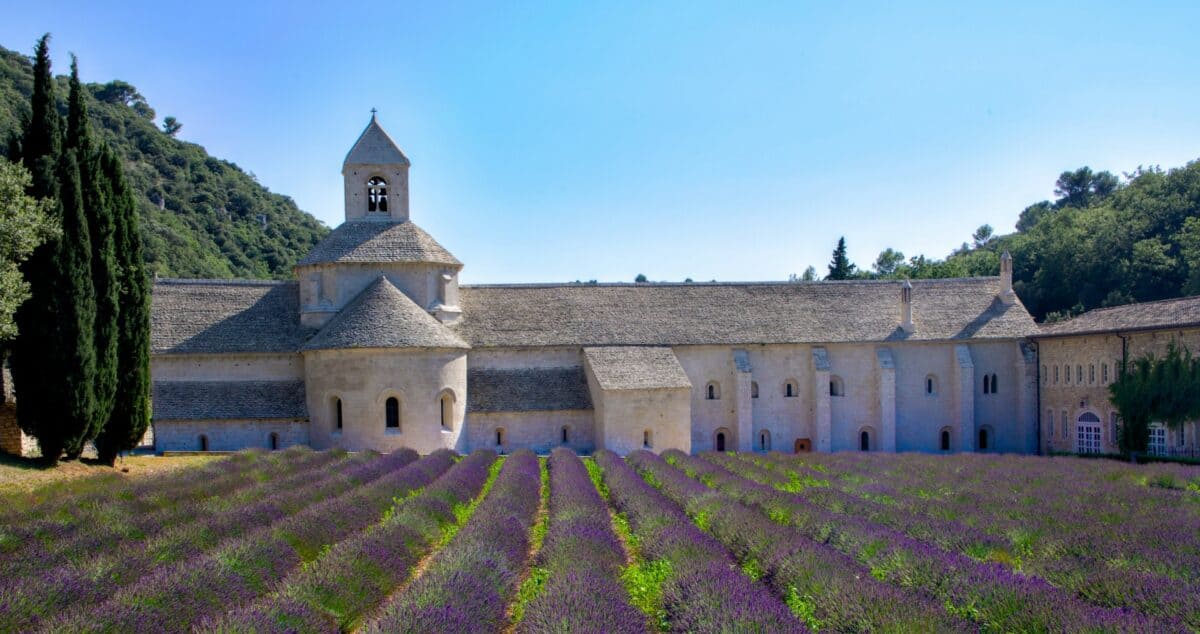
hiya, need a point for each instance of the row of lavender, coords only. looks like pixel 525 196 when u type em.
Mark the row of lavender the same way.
pixel 990 594
pixel 703 589
pixel 96 559
pixel 1101 537
pixel 335 592
pixel 258 552
pixel 582 559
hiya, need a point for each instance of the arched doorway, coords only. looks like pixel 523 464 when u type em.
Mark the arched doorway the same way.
pixel 802 445
pixel 945 440
pixel 723 439
pixel 864 440
pixel 273 441
pixel 1087 433
pixel 984 439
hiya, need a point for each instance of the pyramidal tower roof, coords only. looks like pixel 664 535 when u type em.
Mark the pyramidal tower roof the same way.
pixel 375 147
pixel 382 316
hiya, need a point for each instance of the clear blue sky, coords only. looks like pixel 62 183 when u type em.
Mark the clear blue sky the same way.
pixel 736 141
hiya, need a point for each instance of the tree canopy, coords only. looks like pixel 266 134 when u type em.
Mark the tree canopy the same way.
pixel 1155 390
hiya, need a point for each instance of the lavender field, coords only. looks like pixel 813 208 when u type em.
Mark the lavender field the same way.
pixel 304 541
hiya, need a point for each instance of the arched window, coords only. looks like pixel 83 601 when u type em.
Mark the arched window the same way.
pixel 719 439
pixel 566 435
pixel 790 389
pixel 337 414
pixel 446 404
pixel 1087 433
pixel 203 442
pixel 836 387
pixel 1067 374
pixel 1092 373
pixel 500 437
pixel 1056 375
pixel 754 389
pixel 764 440
pixel 1079 374
pixel 391 412
pixel 987 384
pixel 647 439
pixel 995 385
pixel 713 391
pixel 931 385
pixel 864 440
pixel 985 438
pixel 1104 372
pixel 273 441
pixel 944 439
pixel 377 196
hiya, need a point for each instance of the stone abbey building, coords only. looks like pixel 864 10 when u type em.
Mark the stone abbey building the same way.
pixel 375 345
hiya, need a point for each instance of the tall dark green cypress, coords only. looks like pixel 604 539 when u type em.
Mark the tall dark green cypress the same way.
pixel 35 374
pixel 131 406
pixel 98 208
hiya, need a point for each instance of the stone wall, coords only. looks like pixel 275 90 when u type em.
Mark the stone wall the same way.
pixel 539 431
pixel 224 435
pixel 227 367
pixel 1096 359
pixel 365 379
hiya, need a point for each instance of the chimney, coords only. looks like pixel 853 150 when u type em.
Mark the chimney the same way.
pixel 906 322
pixel 1007 296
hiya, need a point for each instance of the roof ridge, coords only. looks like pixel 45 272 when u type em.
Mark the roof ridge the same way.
pixel 942 280
pixel 196 281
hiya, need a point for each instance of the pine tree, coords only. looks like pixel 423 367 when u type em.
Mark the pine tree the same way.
pixel 43 136
pixel 33 368
pixel 131 406
pixel 98 208
pixel 840 267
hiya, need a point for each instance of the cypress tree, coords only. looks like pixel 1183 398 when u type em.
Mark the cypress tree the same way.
pixel 35 376
pixel 840 267
pixel 98 209
pixel 131 405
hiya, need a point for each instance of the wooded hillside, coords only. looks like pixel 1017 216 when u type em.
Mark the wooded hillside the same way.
pixel 200 216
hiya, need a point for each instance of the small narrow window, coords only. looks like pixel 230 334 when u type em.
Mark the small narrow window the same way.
pixel 500 437
pixel 273 441
pixel 565 435
pixel 337 413
pixel 392 413
pixel 790 389
pixel 1104 372
pixel 1067 374
pixel 945 440
pixel 754 389
pixel 1050 423
pixel 764 440
pixel 931 385
pixel 1079 375
pixel 836 387
pixel 1065 426
pixel 995 385
pixel 1056 375
pixel 1182 435
pixel 1092 373
pixel 987 384
pixel 713 391
pixel 377 195
pixel 446 403
pixel 647 439
pixel 203 442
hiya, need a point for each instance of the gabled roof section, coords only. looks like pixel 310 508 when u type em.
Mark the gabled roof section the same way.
pixel 229 400
pixel 373 241
pixel 383 317
pixel 225 317
pixel 375 147
pixel 636 368
pixel 1168 313
pixel 491 390
pixel 735 313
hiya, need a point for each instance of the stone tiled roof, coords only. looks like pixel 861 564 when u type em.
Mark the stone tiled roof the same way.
pixel 383 317
pixel 225 316
pixel 375 241
pixel 636 368
pixel 375 147
pixel 229 400
pixel 527 390
pixel 1169 313
pixel 735 313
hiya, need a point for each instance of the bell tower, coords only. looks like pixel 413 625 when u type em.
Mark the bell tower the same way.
pixel 375 174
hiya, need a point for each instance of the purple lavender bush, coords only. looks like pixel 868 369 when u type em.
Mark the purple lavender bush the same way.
pixel 705 590
pixel 469 583
pixel 582 558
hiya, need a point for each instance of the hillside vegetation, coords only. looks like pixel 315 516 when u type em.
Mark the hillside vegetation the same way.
pixel 200 216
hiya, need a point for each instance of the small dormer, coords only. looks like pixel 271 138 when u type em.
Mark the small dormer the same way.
pixel 375 173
